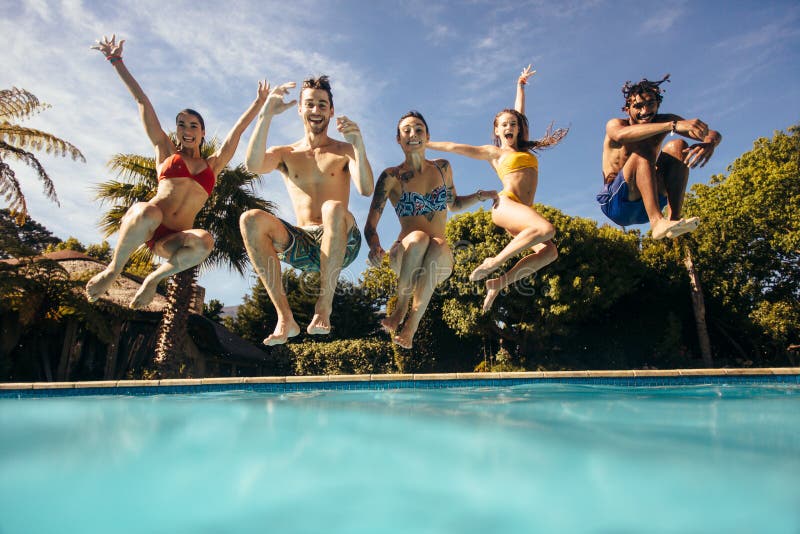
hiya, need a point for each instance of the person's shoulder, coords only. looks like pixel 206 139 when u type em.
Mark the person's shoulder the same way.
pixel 390 173
pixel 442 164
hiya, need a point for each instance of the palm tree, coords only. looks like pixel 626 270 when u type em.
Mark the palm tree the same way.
pixel 16 141
pixel 233 194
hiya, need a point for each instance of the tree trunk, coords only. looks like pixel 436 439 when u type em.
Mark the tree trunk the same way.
pixel 699 306
pixel 173 328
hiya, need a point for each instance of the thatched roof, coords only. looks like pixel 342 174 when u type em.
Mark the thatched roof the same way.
pixel 82 267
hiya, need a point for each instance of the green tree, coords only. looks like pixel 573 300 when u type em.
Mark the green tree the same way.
pixel 30 235
pixel 17 142
pixel 596 267
pixel 747 248
pixel 354 313
pixel 213 310
pixel 233 194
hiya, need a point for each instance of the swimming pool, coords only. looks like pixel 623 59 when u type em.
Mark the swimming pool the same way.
pixel 557 456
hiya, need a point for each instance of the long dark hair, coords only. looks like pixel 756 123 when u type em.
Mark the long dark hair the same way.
pixel 550 138
pixel 190 111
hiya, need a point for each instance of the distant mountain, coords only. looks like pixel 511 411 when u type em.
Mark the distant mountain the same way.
pixel 229 311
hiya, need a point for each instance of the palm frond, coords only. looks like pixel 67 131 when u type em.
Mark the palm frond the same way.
pixel 134 168
pixel 30 160
pixel 111 220
pixel 33 139
pixel 18 103
pixel 12 191
pixel 123 193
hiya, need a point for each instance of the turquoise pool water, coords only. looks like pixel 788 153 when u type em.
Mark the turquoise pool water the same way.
pixel 531 458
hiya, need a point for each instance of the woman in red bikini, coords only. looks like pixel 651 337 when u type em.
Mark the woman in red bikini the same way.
pixel 185 180
pixel 517 167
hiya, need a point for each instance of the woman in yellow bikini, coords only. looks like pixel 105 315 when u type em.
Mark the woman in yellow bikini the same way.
pixel 518 168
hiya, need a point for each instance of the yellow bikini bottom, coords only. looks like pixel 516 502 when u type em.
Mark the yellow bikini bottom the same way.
pixel 512 196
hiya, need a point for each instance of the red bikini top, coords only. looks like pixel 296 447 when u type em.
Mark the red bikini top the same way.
pixel 175 167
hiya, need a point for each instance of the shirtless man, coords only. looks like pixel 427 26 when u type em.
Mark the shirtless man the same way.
pixel 317 172
pixel 640 176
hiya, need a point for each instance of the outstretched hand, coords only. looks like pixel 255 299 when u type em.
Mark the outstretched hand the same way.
pixel 275 104
pixel 109 47
pixel 491 194
pixel 348 129
pixel 526 73
pixel 375 257
pixel 698 154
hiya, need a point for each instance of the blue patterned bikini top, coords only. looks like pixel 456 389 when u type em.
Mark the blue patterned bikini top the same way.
pixel 412 203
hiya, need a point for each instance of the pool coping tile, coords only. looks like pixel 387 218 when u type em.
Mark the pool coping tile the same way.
pixel 222 380
pixel 54 385
pixel 388 377
pixel 16 385
pixel 656 372
pixel 137 383
pixel 426 377
pixel 348 378
pixel 264 380
pixel 95 384
pixel 306 378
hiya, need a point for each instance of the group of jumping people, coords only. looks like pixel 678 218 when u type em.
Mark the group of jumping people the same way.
pixel 640 178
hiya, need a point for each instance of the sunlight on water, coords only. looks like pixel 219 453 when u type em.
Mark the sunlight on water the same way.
pixel 535 458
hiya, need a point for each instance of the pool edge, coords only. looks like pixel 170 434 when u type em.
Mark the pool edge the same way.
pixel 649 377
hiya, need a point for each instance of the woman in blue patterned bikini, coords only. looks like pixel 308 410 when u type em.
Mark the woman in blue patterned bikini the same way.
pixel 421 191
pixel 518 168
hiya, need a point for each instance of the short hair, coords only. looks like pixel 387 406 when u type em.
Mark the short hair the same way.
pixel 323 82
pixel 417 115
pixel 629 90
pixel 551 137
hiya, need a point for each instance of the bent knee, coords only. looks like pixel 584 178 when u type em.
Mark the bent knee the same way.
pixel 256 221
pixel 675 148
pixel 417 238
pixel 205 242
pixel 145 211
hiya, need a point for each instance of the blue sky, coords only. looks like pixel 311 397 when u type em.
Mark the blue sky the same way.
pixel 733 64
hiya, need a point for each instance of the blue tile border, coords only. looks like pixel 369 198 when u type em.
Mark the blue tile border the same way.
pixel 297 385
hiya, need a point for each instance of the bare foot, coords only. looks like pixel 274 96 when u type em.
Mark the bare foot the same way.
pixel 493 288
pixel 665 228
pixel 319 325
pixel 484 269
pixel 689 225
pixel 99 284
pixel 283 331
pixel 388 325
pixel 404 339
pixel 145 295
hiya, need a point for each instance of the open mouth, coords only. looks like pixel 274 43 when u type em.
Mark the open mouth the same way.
pixel 646 116
pixel 509 136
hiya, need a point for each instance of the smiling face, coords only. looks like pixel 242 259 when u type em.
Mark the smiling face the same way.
pixel 642 107
pixel 189 130
pixel 315 109
pixel 412 134
pixel 506 129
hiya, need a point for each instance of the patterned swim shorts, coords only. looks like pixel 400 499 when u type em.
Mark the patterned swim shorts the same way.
pixel 304 248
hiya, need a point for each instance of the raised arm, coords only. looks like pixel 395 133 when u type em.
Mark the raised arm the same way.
pixel 522 81
pixel 258 159
pixel 113 53
pixel 359 167
pixel 228 148
pixel 485 152
pixel 386 181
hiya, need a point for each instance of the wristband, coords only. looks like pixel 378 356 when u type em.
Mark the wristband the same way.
pixel 674 125
pixel 113 59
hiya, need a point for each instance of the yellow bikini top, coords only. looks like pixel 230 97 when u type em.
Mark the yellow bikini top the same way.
pixel 516 161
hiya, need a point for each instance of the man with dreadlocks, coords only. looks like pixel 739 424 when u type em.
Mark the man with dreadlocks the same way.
pixel 640 176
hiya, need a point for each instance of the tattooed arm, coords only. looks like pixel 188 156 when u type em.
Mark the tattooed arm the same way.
pixel 386 182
